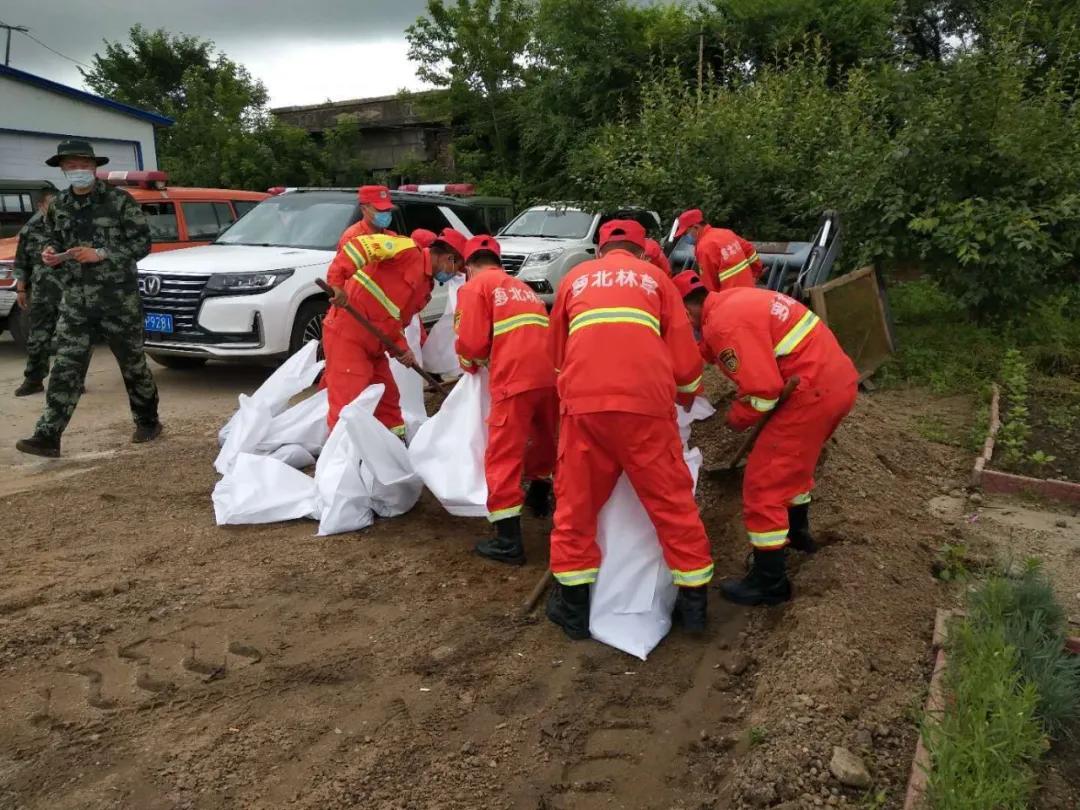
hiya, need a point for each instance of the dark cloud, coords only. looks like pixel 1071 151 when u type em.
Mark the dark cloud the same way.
pixel 244 29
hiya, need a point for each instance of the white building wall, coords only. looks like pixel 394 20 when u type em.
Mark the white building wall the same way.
pixel 34 120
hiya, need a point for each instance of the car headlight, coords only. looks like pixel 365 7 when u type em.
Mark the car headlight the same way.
pixel 242 283
pixel 543 257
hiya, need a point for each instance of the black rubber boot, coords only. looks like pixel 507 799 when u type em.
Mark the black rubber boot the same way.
pixel 146 432
pixel 766 582
pixel 29 387
pixel 690 609
pixel 799 537
pixel 505 546
pixel 568 607
pixel 538 498
pixel 38 445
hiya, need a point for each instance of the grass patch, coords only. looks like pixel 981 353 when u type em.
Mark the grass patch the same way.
pixel 1010 687
pixel 942 348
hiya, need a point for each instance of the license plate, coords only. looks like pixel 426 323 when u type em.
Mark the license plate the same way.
pixel 158 322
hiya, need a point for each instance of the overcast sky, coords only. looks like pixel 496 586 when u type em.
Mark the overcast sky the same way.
pixel 305 51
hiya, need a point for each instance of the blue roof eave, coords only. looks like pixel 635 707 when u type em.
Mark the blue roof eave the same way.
pixel 82 95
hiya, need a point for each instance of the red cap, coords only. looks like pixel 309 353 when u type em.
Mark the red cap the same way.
pixel 652 249
pixel 423 237
pixel 456 241
pixel 378 196
pixel 686 282
pixel 478 243
pixel 687 220
pixel 623 230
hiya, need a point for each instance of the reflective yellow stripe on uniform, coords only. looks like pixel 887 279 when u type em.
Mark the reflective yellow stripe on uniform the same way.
pixel 690 387
pixel 398 431
pixel 517 321
pixel 502 514
pixel 789 342
pixel 734 270
pixel 368 283
pixel 585 576
pixel 801 499
pixel 762 405
pixel 769 540
pixel 693 579
pixel 606 315
pixel 753 258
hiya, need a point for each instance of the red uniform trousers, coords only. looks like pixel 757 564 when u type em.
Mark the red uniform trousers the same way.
pixel 521 442
pixel 349 370
pixel 594 449
pixel 780 468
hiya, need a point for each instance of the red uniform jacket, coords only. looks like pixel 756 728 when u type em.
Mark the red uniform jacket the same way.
pixel 384 277
pixel 726 260
pixel 503 324
pixel 655 255
pixel 760 339
pixel 621 339
pixel 358 228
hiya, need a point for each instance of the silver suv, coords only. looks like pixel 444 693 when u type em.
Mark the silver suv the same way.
pixel 543 243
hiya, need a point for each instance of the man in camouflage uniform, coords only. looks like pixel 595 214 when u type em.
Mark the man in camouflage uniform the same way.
pixel 40 291
pixel 94 235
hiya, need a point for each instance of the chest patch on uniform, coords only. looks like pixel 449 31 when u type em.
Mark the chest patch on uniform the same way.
pixel 729 359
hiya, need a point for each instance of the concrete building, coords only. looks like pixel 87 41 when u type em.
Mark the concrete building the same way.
pixel 393 129
pixel 36 114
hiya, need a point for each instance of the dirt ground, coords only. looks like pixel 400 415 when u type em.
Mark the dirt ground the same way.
pixel 149 659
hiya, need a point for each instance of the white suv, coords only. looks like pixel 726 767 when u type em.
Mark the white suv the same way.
pixel 252 293
pixel 543 243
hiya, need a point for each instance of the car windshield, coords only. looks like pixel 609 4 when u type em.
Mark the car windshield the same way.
pixel 312 220
pixel 565 223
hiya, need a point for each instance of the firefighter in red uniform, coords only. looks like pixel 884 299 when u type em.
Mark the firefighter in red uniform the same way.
pixel 625 353
pixel 760 339
pixel 724 258
pixel 502 324
pixel 655 255
pixel 385 278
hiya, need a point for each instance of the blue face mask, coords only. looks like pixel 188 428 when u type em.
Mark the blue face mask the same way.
pixel 382 219
pixel 690 239
pixel 442 277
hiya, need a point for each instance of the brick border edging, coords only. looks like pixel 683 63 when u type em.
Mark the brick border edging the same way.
pixel 1009 483
pixel 933 709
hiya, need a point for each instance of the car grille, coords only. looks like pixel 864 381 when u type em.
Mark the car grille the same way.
pixel 512 262
pixel 180 296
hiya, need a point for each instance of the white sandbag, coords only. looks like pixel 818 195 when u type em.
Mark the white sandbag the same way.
pixel 448 451
pixel 631 602
pixel 303 424
pixel 295 455
pixel 411 388
pixel 701 409
pixel 385 470
pixel 291 377
pixel 260 489
pixel 249 426
pixel 439 356
pixel 344 498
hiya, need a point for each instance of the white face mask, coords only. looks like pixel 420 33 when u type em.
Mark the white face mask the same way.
pixel 80 178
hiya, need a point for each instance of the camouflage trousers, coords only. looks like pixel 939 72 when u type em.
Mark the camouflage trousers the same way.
pixel 88 312
pixel 45 296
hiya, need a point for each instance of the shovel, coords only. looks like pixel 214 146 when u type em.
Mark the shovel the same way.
pixel 727 470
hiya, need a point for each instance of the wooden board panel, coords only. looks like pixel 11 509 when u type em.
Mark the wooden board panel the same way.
pixel 852 307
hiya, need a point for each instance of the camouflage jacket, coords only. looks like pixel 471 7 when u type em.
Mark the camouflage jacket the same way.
pixel 32 240
pixel 105 218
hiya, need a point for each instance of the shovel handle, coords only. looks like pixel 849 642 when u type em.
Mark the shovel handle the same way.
pixel 380 335
pixel 748 442
pixel 534 595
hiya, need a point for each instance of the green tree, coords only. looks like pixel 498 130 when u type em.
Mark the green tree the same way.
pixel 224 135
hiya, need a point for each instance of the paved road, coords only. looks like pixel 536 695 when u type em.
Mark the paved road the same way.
pixel 102 422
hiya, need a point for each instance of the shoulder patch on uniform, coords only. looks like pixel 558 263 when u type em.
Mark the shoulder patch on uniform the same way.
pixel 729 359
pixel 457 319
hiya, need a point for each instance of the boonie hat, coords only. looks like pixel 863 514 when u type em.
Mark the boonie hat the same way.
pixel 378 196
pixel 623 230
pixel 687 220
pixel 478 243
pixel 75 148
